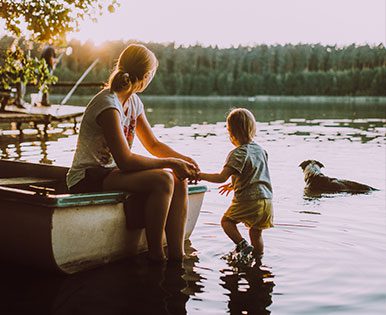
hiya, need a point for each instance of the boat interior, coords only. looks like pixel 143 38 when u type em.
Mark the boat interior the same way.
pixel 45 185
pixel 37 178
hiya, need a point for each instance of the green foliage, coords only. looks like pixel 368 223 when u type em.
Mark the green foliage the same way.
pixel 260 70
pixel 50 20
pixel 19 67
pixel 47 21
pixel 270 70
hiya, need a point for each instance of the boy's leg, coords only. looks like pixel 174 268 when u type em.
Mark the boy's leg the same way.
pixel 231 230
pixel 257 240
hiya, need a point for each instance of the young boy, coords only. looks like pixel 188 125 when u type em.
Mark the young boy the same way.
pixel 247 164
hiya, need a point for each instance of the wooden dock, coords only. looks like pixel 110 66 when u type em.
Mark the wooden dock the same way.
pixel 40 115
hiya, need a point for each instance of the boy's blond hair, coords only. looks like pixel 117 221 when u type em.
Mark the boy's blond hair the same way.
pixel 241 125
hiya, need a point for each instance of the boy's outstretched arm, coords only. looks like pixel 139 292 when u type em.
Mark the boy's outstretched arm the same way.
pixel 217 177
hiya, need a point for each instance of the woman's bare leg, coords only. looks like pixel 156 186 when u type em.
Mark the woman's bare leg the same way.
pixel 159 184
pixel 175 224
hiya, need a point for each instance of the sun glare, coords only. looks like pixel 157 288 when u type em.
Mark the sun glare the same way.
pixel 224 23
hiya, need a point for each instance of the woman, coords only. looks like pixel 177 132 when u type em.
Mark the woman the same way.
pixel 104 160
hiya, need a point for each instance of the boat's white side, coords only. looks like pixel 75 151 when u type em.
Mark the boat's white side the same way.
pixel 67 232
pixel 87 236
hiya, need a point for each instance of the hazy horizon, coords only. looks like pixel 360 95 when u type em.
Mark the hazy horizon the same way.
pixel 247 23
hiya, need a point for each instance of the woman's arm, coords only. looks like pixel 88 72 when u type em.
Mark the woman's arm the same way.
pixel 153 145
pixel 126 160
pixel 217 177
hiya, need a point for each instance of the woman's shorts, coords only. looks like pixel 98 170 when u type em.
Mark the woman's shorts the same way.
pixel 92 181
pixel 253 213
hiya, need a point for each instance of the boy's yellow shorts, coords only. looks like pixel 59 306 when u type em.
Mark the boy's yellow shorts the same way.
pixel 253 213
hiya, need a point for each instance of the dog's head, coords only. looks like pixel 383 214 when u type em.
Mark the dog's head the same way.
pixel 304 164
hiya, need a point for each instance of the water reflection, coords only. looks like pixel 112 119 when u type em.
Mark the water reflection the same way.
pixel 39 147
pixel 250 289
pixel 184 112
pixel 307 248
pixel 130 286
pixel 35 146
pixel 135 287
pixel 311 122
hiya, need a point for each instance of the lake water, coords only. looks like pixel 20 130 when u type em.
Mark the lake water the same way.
pixel 325 255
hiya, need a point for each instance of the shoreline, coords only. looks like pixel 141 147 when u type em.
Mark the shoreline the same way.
pixel 278 98
pixel 261 98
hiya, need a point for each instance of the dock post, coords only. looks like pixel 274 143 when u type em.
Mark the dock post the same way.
pixel 36 126
pixel 75 124
pixel 18 126
pixel 47 121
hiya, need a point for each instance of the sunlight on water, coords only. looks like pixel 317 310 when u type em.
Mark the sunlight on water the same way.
pixel 325 255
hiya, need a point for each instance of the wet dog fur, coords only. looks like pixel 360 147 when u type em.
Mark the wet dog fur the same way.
pixel 317 182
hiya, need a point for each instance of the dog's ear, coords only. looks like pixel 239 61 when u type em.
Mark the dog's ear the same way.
pixel 319 163
pixel 304 164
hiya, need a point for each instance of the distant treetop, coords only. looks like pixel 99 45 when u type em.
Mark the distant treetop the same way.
pixel 50 20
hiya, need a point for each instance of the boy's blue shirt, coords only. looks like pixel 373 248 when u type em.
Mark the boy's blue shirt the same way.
pixel 252 180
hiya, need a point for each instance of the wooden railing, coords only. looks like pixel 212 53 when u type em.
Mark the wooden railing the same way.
pixel 71 83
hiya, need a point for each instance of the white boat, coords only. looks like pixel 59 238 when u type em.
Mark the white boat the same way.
pixel 41 225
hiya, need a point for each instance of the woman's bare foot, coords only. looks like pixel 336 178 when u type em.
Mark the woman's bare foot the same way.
pixel 177 258
pixel 157 259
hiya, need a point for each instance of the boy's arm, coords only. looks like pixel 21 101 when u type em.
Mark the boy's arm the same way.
pixel 217 177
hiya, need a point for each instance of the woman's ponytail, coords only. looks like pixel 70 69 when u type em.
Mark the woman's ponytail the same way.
pixel 133 63
pixel 119 81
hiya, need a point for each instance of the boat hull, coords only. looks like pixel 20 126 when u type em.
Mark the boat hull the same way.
pixel 70 233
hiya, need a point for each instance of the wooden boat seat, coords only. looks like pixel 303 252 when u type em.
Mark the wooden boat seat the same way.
pixel 25 180
pixel 39 185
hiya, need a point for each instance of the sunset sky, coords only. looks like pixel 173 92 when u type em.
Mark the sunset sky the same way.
pixel 247 22
pixel 226 23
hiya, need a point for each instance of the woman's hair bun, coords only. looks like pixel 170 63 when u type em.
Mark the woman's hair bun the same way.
pixel 126 76
pixel 133 63
pixel 119 80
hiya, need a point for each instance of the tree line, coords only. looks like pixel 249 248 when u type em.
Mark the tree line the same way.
pixel 302 69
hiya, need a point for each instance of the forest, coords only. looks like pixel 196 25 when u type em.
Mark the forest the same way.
pixel 302 69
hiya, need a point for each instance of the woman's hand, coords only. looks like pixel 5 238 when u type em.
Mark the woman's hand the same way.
pixel 184 169
pixel 191 161
pixel 195 178
pixel 225 189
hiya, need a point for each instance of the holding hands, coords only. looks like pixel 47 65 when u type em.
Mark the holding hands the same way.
pixel 185 169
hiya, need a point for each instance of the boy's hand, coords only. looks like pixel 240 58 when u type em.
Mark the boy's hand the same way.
pixel 225 189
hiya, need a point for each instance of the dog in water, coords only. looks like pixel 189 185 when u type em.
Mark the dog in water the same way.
pixel 317 182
